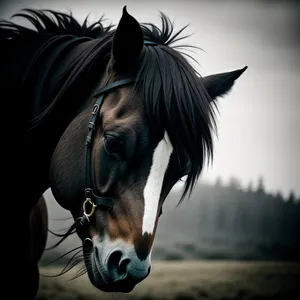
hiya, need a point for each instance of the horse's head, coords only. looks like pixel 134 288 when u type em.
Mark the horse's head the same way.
pixel 148 135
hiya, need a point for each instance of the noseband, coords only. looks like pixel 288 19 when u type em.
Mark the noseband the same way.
pixel 91 198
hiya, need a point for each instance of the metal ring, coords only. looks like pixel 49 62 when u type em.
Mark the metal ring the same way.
pixel 92 210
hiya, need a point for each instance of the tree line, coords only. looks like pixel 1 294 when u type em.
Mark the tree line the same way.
pixel 271 222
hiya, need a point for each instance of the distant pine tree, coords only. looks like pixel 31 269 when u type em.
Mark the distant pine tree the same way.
pixel 250 187
pixel 234 183
pixel 261 185
pixel 292 197
pixel 279 196
pixel 219 182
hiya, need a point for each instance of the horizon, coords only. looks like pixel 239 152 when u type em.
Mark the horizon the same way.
pixel 244 187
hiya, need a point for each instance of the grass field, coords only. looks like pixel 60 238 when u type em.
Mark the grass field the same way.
pixel 189 280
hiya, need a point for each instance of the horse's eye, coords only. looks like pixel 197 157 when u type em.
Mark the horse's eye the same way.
pixel 112 144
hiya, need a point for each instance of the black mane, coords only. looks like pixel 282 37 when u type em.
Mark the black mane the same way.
pixel 48 42
pixel 175 97
pixel 49 22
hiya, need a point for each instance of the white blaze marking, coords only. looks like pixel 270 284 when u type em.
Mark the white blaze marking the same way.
pixel 152 190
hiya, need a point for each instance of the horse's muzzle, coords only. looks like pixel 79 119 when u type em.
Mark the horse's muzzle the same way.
pixel 116 266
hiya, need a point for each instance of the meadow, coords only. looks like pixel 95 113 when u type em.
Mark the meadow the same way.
pixel 188 280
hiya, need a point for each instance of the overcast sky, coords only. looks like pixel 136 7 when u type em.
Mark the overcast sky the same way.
pixel 259 121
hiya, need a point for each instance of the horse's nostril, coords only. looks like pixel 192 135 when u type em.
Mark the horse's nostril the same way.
pixel 125 268
pixel 122 266
pixel 115 263
pixel 114 258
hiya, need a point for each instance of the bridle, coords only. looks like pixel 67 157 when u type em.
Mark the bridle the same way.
pixel 90 197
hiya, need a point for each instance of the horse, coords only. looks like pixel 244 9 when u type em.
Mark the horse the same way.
pixel 109 118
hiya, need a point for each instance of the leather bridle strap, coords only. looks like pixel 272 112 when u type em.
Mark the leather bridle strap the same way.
pixel 90 197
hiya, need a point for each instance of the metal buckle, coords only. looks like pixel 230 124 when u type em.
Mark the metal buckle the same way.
pixel 95 109
pixel 88 215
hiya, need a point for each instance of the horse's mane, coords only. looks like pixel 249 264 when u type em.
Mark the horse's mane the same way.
pixel 174 96
pixel 51 37
pixel 49 22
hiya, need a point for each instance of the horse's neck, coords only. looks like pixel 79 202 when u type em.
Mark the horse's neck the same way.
pixel 39 143
pixel 13 61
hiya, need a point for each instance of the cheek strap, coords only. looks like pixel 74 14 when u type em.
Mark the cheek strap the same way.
pixel 92 200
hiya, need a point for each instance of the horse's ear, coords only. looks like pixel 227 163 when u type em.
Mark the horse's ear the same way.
pixel 128 40
pixel 218 85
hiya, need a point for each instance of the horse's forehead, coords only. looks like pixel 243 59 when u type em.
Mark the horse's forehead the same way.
pixel 122 107
pixel 124 98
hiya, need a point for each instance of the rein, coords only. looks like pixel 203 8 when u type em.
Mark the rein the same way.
pixel 91 198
